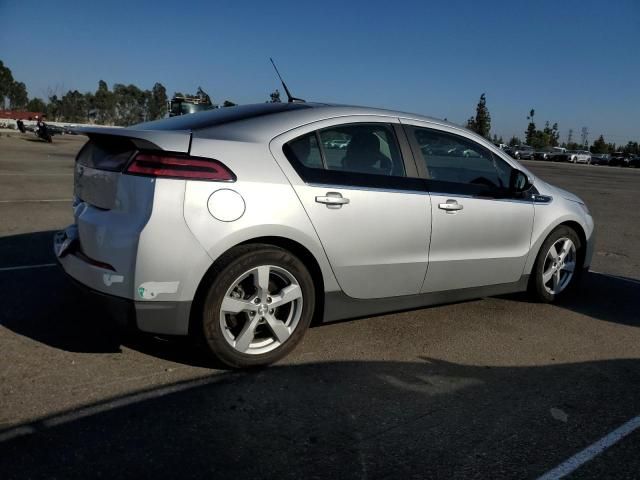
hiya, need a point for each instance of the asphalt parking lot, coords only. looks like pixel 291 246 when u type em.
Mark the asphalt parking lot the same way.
pixel 493 388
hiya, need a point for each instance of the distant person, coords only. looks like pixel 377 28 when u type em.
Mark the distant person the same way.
pixel 20 125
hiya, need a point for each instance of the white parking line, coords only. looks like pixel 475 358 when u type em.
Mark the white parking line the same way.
pixel 27 267
pixel 48 200
pixel 108 405
pixel 593 450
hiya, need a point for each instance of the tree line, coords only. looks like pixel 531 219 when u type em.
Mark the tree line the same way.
pixel 121 105
pixel 545 138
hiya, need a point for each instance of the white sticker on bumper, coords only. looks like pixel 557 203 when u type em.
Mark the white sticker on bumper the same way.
pixel 109 279
pixel 150 290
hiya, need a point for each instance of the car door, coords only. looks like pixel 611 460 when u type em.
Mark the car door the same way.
pixel 371 212
pixel 481 233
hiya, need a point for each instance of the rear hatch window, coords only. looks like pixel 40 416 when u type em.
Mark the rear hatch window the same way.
pixel 98 169
pixel 110 154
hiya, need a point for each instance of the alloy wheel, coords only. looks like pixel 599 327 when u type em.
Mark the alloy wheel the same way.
pixel 559 266
pixel 261 309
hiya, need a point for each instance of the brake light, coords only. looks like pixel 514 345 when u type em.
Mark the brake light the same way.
pixel 173 166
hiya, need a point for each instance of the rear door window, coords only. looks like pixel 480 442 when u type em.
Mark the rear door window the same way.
pixel 362 148
pixel 355 154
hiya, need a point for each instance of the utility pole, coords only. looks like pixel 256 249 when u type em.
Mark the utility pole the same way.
pixel 585 136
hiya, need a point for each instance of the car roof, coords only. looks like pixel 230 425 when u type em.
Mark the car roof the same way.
pixel 263 121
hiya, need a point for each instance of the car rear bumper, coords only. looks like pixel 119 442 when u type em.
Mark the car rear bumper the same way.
pixel 162 318
pixel 159 317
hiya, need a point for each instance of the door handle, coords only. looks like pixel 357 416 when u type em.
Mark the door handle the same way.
pixel 333 200
pixel 451 206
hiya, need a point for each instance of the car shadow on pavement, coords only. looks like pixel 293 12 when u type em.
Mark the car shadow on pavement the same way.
pixel 418 419
pixel 42 304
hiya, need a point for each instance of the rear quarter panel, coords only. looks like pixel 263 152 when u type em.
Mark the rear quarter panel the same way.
pixel 271 205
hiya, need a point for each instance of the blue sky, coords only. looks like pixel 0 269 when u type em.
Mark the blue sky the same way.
pixel 575 62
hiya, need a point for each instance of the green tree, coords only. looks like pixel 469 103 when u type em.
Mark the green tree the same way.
pixel 105 104
pixel 6 82
pixel 551 134
pixel 631 148
pixel 18 97
pixel 54 108
pixel 73 107
pixel 599 146
pixel 131 104
pixel 275 96
pixel 483 117
pixel 471 124
pixel 531 128
pixel 540 140
pixel 514 141
pixel 36 105
pixel 157 102
pixel 481 123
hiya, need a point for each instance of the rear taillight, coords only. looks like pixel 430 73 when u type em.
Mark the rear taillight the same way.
pixel 174 166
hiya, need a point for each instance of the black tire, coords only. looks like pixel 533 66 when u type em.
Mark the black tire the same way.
pixel 536 285
pixel 227 270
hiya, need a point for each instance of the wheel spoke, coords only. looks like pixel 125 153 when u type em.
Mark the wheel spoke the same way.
pixel 569 267
pixel 245 337
pixel 278 328
pixel 556 281
pixel 287 295
pixel 566 248
pixel 546 276
pixel 261 279
pixel 235 305
pixel 554 253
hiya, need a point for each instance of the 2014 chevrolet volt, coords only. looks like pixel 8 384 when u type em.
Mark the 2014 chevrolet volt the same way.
pixel 241 225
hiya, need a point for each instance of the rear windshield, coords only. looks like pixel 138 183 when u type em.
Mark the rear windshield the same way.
pixel 219 116
pixel 110 153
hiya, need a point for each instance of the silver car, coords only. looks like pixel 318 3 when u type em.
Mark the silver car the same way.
pixel 239 227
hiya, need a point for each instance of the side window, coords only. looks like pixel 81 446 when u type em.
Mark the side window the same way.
pixel 352 155
pixel 362 148
pixel 456 160
pixel 305 150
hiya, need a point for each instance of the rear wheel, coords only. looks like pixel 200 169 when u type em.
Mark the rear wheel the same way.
pixel 258 307
pixel 557 266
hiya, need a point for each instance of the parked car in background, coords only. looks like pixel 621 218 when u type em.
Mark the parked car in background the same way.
pixel 600 158
pixel 635 161
pixel 573 156
pixel 620 159
pixel 543 155
pixel 521 152
pixel 237 227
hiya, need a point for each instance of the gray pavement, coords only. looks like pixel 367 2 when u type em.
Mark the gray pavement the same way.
pixel 493 388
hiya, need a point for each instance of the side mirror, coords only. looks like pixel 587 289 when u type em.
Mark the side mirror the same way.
pixel 519 182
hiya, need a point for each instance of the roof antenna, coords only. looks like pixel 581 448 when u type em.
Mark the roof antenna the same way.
pixel 290 98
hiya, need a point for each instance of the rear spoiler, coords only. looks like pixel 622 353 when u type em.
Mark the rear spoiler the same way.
pixel 168 140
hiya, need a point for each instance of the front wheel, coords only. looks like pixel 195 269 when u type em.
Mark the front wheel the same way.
pixel 258 307
pixel 557 266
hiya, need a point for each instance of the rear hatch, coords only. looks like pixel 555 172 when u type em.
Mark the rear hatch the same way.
pixel 102 160
pixel 111 207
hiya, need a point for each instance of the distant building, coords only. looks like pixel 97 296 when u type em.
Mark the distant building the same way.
pixel 16 115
